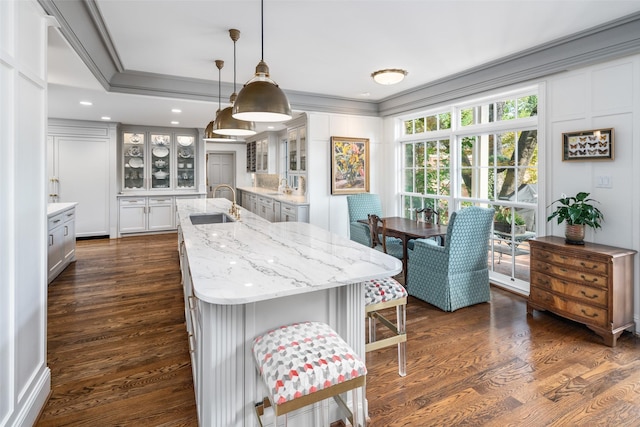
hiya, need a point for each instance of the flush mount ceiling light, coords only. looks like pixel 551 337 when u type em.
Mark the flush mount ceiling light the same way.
pixel 225 123
pixel 389 76
pixel 208 132
pixel 261 100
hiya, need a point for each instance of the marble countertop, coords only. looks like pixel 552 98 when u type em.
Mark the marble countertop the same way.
pixel 253 259
pixel 56 208
pixel 287 198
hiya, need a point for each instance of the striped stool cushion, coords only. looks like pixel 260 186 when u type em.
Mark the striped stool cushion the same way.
pixel 383 290
pixel 302 358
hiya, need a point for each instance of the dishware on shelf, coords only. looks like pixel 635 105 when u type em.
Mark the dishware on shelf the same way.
pixel 160 174
pixel 160 139
pixel 185 154
pixel 185 140
pixel 135 139
pixel 189 165
pixel 136 162
pixel 160 151
pixel 160 163
pixel 134 152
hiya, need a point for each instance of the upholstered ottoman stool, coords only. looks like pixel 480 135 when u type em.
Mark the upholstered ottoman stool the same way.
pixel 308 362
pixel 381 294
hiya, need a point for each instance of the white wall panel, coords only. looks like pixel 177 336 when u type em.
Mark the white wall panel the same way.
pixel 326 210
pixel 24 377
pixel 602 96
pixel 607 97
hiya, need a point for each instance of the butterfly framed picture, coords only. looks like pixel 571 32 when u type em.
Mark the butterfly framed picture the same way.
pixel 594 144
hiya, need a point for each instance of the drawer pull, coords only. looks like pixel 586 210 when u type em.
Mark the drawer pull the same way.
pixel 588 296
pixel 56 221
pixel 594 280
pixel 589 315
pixel 593 266
pixel 542 281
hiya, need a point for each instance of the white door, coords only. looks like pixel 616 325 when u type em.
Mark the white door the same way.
pixel 82 169
pixel 221 169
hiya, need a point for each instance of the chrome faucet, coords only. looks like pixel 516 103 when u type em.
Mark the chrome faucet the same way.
pixel 235 211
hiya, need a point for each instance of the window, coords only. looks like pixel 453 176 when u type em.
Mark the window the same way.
pixel 478 153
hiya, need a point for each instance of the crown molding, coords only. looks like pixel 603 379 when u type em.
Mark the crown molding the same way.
pixel 82 25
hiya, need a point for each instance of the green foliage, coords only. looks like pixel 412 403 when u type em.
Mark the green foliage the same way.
pixel 577 210
pixel 504 215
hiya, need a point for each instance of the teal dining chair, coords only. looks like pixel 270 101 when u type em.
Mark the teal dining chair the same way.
pixel 455 275
pixel 360 206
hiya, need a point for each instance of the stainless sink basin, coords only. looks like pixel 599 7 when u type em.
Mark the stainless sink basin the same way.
pixel 210 218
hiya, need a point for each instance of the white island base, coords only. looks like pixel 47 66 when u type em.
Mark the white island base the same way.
pixel 242 279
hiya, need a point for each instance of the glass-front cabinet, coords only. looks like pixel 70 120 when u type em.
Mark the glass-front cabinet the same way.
pixel 186 161
pixel 297 154
pixel 163 160
pixel 297 138
pixel 133 151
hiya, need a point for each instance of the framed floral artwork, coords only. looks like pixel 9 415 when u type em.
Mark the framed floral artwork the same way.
pixel 349 165
pixel 588 145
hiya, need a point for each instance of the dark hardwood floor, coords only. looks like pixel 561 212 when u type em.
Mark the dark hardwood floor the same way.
pixel 118 354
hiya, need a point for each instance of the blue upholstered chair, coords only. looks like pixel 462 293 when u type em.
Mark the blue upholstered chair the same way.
pixel 455 275
pixel 360 207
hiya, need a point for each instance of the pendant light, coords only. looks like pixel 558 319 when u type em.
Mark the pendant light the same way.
pixel 208 132
pixel 261 100
pixel 225 124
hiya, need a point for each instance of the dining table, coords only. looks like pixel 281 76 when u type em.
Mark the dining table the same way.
pixel 407 229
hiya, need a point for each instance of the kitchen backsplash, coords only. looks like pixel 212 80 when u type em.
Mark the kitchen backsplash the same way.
pixel 268 180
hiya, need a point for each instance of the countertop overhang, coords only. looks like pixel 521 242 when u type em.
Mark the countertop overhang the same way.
pixel 56 208
pixel 252 260
pixel 287 198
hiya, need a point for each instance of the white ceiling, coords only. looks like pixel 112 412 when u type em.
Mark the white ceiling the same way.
pixel 326 47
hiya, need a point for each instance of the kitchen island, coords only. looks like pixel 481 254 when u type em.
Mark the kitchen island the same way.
pixel 244 277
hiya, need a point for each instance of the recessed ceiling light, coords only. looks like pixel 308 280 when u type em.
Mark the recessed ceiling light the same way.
pixel 270 127
pixel 175 123
pixel 176 110
pixel 365 94
pixel 86 103
pixel 105 118
pixel 389 76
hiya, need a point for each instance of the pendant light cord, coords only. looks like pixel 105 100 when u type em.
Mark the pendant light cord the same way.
pixel 234 66
pixel 219 90
pixel 262 27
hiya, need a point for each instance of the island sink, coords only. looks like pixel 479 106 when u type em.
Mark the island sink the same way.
pixel 210 218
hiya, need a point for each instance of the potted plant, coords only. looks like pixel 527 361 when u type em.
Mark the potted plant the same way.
pixel 502 221
pixel 577 211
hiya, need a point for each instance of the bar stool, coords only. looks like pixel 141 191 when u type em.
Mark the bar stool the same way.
pixel 381 294
pixel 305 363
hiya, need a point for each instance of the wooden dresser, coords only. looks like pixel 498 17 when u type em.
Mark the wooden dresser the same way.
pixel 590 284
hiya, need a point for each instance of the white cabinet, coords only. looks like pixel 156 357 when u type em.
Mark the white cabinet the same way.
pixel 158 159
pixel 290 212
pixel 297 153
pixel 133 215
pixel 160 213
pixel 81 166
pixel 265 208
pixel 141 214
pixel 261 153
pixel 55 255
pixel 61 241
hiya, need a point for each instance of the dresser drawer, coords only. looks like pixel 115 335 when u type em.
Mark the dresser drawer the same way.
pixel 586 294
pixel 584 313
pixel 587 263
pixel 574 275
